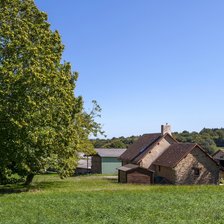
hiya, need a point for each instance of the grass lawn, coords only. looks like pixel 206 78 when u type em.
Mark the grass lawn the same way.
pixel 98 199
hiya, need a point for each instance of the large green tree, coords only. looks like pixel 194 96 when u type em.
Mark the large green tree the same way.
pixel 42 122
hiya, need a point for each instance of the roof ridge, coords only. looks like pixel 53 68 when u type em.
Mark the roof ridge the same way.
pixel 153 144
pixel 217 152
pixel 146 147
pixel 183 152
pixel 140 144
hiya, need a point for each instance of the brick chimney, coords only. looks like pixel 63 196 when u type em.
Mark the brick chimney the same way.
pixel 166 129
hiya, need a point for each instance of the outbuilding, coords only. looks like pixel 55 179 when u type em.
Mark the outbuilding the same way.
pixel 132 173
pixel 105 160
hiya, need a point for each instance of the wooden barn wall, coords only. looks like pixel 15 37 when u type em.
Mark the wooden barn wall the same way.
pixel 122 176
pixel 139 177
pixel 96 164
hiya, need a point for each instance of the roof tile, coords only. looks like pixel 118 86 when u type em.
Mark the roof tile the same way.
pixel 174 154
pixel 139 146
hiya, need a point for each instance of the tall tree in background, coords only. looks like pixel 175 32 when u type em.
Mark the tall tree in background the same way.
pixel 42 123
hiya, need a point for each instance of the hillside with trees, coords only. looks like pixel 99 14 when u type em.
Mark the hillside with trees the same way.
pixel 209 139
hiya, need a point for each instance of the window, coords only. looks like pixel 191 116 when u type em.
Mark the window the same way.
pixel 196 171
pixel 159 167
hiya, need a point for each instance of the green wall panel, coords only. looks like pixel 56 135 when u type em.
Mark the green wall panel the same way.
pixel 110 165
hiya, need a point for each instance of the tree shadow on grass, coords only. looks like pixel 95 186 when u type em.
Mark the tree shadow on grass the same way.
pixel 47 185
pixel 9 189
pixel 40 186
pixel 46 182
pixel 16 189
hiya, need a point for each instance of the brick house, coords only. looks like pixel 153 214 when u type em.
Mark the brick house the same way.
pixel 167 161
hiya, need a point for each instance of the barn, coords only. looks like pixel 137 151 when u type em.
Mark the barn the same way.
pixel 106 161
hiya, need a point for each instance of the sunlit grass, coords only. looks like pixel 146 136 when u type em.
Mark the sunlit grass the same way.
pixel 98 199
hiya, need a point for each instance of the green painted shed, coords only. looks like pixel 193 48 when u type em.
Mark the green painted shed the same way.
pixel 106 161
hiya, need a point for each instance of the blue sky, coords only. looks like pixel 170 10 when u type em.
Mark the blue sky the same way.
pixel 146 62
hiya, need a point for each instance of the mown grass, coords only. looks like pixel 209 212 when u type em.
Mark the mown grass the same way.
pixel 98 199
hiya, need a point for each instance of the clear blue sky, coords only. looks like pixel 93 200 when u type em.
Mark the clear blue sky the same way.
pixel 146 62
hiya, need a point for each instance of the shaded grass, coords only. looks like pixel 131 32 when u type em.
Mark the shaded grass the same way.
pixel 96 199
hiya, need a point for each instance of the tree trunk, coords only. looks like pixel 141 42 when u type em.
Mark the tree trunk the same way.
pixel 29 179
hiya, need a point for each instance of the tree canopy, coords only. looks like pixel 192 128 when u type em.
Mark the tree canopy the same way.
pixel 209 139
pixel 42 123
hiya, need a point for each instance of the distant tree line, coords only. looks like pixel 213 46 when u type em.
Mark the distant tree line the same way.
pixel 209 139
pixel 119 143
